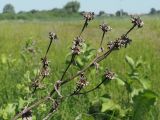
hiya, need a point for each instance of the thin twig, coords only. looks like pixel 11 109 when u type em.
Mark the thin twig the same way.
pixel 84 26
pixel 102 39
pixel 130 30
pixel 71 61
pixel 48 48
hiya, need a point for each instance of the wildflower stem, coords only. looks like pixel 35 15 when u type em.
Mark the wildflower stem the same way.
pixel 102 39
pixel 84 26
pixel 48 47
pixel 130 30
pixel 71 61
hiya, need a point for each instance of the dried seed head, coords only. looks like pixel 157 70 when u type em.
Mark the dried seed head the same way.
pixel 83 80
pixel 105 27
pixel 77 44
pixel 52 36
pixel 120 42
pixel 45 71
pixel 75 50
pixel 125 41
pixel 78 41
pixel 88 15
pixel 137 21
pixel 111 44
pixel 45 62
pixel 109 75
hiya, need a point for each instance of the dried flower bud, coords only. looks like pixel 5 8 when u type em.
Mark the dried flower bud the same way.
pixel 88 15
pixel 45 71
pixel 105 27
pixel 78 41
pixel 52 36
pixel 83 81
pixel 27 115
pixel 137 21
pixel 120 42
pixel 125 41
pixel 45 62
pixel 110 44
pixel 109 75
pixel 77 44
pixel 75 50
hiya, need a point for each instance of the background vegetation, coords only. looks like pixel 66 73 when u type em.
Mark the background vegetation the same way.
pixel 71 9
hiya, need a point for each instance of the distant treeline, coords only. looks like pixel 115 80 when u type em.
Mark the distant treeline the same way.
pixel 71 9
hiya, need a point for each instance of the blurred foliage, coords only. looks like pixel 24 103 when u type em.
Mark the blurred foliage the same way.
pixel 8 8
pixel 70 9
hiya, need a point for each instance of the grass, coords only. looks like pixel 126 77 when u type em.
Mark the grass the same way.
pixel 13 35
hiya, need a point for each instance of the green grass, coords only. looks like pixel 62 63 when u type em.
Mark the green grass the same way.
pixel 13 35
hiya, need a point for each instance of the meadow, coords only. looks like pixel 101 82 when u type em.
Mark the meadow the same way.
pixel 17 66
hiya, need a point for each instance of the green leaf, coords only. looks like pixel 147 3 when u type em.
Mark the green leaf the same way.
pixel 142 104
pixel 84 117
pixel 79 62
pixel 8 111
pixel 21 103
pixel 130 61
pixel 145 83
pixel 109 105
pixel 119 81
pixel 139 62
pixel 136 92
pixel 84 47
pixel 3 58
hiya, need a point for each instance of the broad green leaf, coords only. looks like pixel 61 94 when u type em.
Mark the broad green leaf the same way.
pixel 145 83
pixel 109 105
pixel 139 62
pixel 136 92
pixel 8 111
pixel 103 99
pixel 21 103
pixel 119 81
pixel 130 61
pixel 79 61
pixel 142 104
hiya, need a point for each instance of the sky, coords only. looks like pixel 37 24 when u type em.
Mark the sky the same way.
pixel 109 6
